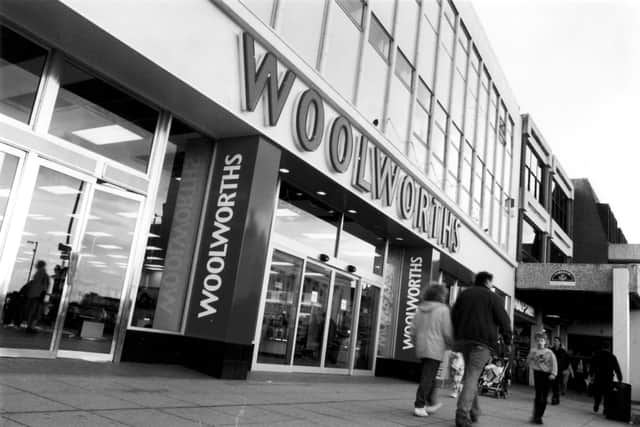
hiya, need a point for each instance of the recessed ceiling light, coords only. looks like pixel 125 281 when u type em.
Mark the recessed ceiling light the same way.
pixel 399 238
pixel 314 274
pixel 41 218
pixel 151 235
pixel 284 170
pixel 298 194
pixel 117 256
pixel 155 258
pixel 128 214
pixel 98 234
pixel 178 178
pixel 58 233
pixel 282 263
pixel 154 248
pixel 284 212
pixel 352 211
pixel 111 134
pixel 319 236
pixel 321 193
pixel 110 246
pixel 59 189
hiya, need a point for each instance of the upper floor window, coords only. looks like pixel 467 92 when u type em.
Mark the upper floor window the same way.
pixel 531 243
pixel 560 206
pixel 533 174
pixel 21 65
pixel 96 115
pixel 379 39
pixel 355 10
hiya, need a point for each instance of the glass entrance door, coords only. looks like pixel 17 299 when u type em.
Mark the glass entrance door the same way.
pixel 61 275
pixel 316 317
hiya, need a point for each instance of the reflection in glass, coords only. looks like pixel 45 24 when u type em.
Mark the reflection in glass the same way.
pixel 21 65
pixel 99 117
pixel 276 340
pixel 96 286
pixel 172 236
pixel 361 247
pixel 312 317
pixel 306 221
pixel 47 236
pixel 365 351
pixel 339 336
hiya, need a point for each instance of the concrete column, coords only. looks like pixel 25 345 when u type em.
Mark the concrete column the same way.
pixel 621 319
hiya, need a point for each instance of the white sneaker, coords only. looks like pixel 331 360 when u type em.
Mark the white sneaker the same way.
pixel 420 412
pixel 434 408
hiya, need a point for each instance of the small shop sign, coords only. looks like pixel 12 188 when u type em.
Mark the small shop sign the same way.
pixel 562 278
pixel 524 308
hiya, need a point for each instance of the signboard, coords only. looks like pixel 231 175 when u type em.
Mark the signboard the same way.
pixel 416 273
pixel 562 278
pixel 372 171
pixel 524 308
pixel 217 257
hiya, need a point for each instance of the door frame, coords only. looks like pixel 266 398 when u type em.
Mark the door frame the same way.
pixel 122 315
pixel 16 224
pixel 281 245
pixel 10 244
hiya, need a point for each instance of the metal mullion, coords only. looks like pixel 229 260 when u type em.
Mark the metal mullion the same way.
pixel 376 324
pixel 364 37
pixel 355 321
pixel 393 54
pixel 138 249
pixel 434 84
pixel 323 35
pixel 336 249
pixel 452 75
pixel 327 319
pixel 265 280
pixel 464 113
pixel 12 199
pixel 297 321
pixel 87 200
pixel 414 79
pixel 47 93
pixel 275 11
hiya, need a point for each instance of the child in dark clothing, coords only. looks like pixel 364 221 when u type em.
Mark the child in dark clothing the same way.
pixel 545 369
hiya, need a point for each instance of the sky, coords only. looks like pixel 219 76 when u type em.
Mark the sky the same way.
pixel 574 65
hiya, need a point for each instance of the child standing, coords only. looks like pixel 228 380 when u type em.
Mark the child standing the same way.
pixel 545 369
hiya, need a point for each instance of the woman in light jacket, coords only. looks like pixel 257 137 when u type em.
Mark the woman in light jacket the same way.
pixel 432 335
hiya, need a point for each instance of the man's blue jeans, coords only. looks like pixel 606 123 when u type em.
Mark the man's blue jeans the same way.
pixel 475 358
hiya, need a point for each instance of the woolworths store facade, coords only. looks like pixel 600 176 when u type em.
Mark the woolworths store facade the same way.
pixel 252 186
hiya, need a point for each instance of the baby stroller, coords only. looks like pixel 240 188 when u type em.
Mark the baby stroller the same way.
pixel 495 378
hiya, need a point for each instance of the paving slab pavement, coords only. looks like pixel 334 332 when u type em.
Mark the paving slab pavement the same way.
pixel 76 393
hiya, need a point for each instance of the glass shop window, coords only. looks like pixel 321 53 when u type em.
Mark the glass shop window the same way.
pixel 354 9
pixel 380 39
pixel 21 66
pixel 400 102
pixel 171 240
pixel 305 220
pixel 361 248
pixel 96 115
pixel 375 68
pixel 531 243
pixel 428 49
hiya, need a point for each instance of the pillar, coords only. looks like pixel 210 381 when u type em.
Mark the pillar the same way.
pixel 621 319
pixel 230 263
pixel 634 374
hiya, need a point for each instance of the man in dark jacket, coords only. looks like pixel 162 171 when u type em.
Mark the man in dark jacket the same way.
pixel 603 365
pixel 563 366
pixel 477 315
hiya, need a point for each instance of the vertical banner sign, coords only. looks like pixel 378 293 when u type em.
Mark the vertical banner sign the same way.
pixel 219 251
pixel 416 271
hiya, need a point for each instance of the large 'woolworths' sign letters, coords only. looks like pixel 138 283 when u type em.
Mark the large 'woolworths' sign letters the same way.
pixel 373 171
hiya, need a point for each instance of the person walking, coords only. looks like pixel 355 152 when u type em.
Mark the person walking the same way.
pixel 545 370
pixel 477 316
pixel 563 370
pixel 603 365
pixel 35 292
pixel 432 336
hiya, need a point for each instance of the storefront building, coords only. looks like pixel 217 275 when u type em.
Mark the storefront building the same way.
pixel 257 185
